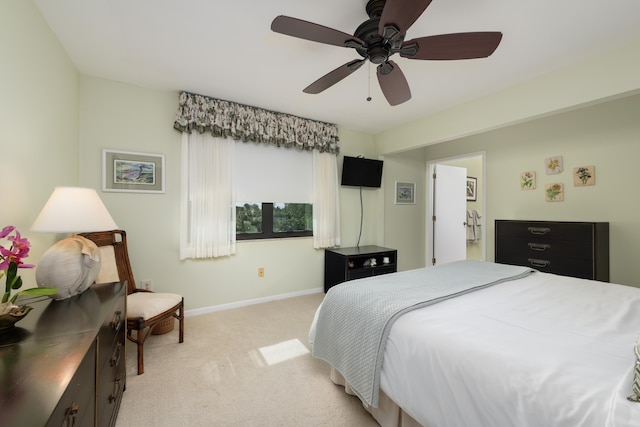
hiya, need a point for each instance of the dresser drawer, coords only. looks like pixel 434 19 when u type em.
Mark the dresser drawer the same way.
pixel 574 267
pixel 519 247
pixel 578 249
pixel 385 269
pixel 77 405
pixel 113 328
pixel 359 273
pixel 547 231
pixel 111 384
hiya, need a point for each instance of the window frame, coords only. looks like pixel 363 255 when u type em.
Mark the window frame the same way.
pixel 267 227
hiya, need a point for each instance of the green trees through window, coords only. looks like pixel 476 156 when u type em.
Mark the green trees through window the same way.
pixel 256 220
pixel 248 218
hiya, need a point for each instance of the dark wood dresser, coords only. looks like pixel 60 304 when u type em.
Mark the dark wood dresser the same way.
pixel 577 249
pixel 343 264
pixel 64 364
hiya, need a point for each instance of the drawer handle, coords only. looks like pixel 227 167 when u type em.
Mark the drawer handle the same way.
pixel 539 262
pixel 539 246
pixel 541 231
pixel 116 390
pixel 71 415
pixel 116 323
pixel 115 357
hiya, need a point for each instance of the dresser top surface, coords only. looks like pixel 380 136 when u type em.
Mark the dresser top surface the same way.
pixel 550 222
pixel 361 250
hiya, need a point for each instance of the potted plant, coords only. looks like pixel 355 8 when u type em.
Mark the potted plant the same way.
pixel 11 259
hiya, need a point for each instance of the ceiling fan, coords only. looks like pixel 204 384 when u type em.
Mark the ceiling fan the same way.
pixel 382 36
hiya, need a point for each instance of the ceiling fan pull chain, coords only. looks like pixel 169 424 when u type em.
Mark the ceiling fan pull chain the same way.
pixel 369 78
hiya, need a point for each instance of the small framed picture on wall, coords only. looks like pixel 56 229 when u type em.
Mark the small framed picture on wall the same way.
pixel 127 171
pixel 405 193
pixel 553 165
pixel 584 175
pixel 472 188
pixel 528 180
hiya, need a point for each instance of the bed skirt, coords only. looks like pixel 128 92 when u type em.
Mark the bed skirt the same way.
pixel 387 414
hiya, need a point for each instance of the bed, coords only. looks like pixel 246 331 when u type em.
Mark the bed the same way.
pixel 525 349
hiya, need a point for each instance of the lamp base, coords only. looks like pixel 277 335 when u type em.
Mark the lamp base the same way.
pixel 71 266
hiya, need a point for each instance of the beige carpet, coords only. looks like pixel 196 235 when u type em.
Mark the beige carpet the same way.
pixel 240 367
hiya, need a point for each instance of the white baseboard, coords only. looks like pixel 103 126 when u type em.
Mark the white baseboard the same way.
pixel 222 307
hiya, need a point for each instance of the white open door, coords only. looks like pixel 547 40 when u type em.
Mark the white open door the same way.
pixel 449 214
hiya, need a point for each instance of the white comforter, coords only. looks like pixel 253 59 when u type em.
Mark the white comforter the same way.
pixel 542 351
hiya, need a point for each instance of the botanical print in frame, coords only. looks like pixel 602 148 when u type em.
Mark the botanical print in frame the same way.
pixel 553 165
pixel 405 193
pixel 584 175
pixel 472 188
pixel 554 192
pixel 528 180
pixel 128 171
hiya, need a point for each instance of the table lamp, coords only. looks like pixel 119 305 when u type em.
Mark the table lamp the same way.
pixel 72 264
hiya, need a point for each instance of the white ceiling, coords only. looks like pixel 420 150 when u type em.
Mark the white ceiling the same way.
pixel 226 50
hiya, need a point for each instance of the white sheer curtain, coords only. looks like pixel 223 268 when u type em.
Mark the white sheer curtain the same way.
pixel 326 200
pixel 207 212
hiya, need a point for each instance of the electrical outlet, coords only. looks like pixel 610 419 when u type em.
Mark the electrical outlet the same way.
pixel 146 284
pixel 260 271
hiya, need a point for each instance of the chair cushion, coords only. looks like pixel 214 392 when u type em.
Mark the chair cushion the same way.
pixel 150 304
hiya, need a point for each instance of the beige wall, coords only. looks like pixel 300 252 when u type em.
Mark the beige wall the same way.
pixel 606 135
pixel 124 117
pixel 38 121
pixel 358 144
pixel 605 77
pixel 404 225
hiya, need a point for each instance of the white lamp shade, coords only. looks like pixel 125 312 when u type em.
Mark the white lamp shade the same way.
pixel 73 210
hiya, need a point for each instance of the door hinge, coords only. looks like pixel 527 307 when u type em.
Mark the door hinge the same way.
pixel 433 218
pixel 433 261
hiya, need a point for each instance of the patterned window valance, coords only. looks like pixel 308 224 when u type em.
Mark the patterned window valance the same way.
pixel 245 123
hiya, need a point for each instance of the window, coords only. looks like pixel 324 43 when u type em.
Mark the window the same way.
pixel 256 220
pixel 216 174
pixel 265 173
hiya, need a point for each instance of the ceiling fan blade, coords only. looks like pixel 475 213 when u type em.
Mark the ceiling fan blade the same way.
pixel 333 77
pixel 310 31
pixel 393 83
pixel 452 46
pixel 400 14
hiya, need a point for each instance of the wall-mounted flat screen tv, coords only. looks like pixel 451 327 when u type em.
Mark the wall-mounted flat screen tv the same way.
pixel 361 172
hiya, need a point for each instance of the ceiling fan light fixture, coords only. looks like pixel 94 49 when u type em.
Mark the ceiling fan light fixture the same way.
pixel 386 68
pixel 409 49
pixel 389 32
pixel 375 8
pixel 353 43
pixel 378 54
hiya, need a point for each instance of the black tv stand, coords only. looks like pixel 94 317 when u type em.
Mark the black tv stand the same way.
pixel 344 264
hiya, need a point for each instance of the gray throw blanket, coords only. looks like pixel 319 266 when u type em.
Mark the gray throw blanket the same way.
pixel 355 318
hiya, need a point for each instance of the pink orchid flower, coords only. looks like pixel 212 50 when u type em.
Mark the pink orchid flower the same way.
pixel 19 249
pixel 6 230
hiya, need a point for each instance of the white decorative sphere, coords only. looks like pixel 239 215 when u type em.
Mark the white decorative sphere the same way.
pixel 71 266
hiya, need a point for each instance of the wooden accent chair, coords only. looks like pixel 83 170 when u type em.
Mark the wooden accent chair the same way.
pixel 146 310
